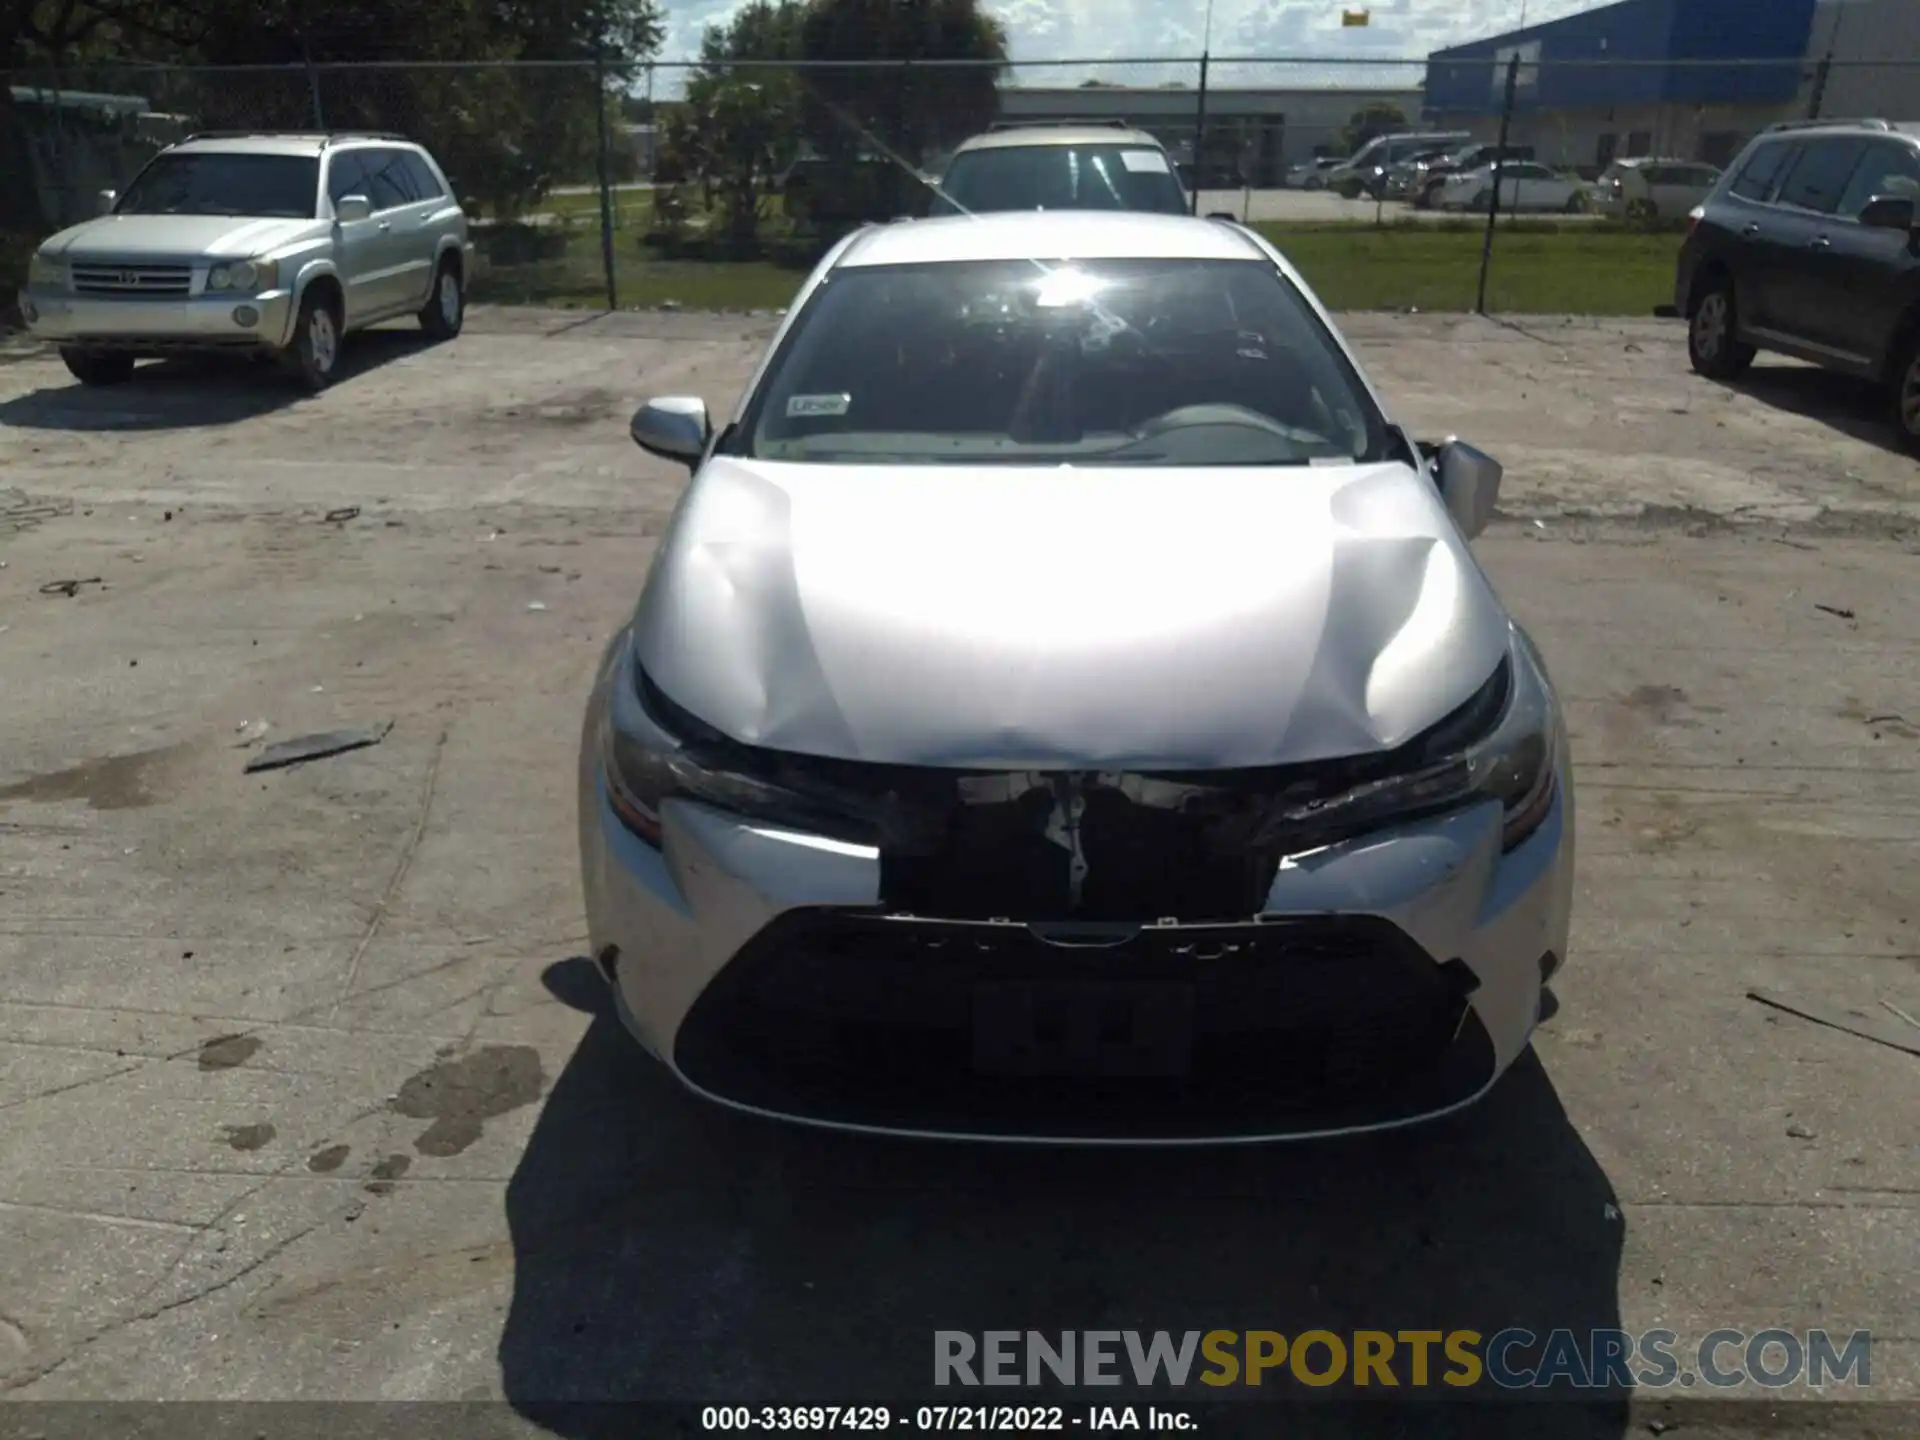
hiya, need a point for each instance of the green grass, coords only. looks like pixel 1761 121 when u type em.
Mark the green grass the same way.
pixel 1539 267
pixel 576 279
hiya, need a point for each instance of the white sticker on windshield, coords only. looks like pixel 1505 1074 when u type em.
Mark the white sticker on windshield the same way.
pixel 1144 162
pixel 809 407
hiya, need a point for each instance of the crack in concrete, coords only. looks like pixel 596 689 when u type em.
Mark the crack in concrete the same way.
pixel 399 875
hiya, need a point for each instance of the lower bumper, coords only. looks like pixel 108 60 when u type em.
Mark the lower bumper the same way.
pixel 1389 980
pixel 159 325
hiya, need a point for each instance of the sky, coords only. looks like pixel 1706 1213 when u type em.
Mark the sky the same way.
pixel 1088 30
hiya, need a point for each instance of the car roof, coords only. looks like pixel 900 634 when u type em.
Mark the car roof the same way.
pixel 1910 129
pixel 1021 137
pixel 1049 235
pixel 270 144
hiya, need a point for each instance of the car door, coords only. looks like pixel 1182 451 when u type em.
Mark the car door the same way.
pixel 1851 280
pixel 427 220
pixel 1749 237
pixel 397 211
pixel 360 252
pixel 1522 186
pixel 1799 240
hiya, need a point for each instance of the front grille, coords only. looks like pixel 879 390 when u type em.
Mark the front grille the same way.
pixel 105 278
pixel 1209 1030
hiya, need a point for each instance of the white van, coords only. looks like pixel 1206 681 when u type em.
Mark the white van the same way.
pixel 1367 170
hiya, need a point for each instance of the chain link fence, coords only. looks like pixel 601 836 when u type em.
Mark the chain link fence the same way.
pixel 717 186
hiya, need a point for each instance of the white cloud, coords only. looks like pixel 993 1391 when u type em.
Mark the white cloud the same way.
pixel 1134 29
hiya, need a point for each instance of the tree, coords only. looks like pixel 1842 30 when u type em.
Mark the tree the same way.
pixel 1377 117
pixel 740 126
pixel 505 134
pixel 857 111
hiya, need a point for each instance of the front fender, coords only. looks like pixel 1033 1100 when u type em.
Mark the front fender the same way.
pixel 310 271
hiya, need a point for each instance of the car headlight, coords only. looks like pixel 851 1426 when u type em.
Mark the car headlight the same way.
pixel 43 269
pixel 243 275
pixel 652 751
pixel 1503 744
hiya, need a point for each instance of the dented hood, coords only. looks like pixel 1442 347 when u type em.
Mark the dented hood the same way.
pixel 1064 618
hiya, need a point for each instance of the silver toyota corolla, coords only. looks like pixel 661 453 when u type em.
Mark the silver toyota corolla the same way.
pixel 1064 706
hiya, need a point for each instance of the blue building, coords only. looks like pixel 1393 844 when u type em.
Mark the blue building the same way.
pixel 1689 79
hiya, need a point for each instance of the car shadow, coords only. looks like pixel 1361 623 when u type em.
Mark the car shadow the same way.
pixel 1854 407
pixel 670 1250
pixel 190 391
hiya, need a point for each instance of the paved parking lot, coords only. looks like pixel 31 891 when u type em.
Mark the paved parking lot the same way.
pixel 305 1090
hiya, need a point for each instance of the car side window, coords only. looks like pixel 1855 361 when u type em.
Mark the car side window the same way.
pixel 1819 177
pixel 426 184
pixel 388 184
pixel 345 176
pixel 1884 170
pixel 1762 169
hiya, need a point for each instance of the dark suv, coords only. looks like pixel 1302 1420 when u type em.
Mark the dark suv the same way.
pixel 1809 246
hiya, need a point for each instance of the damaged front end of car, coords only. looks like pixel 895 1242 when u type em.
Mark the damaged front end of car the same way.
pixel 1103 956
pixel 1187 846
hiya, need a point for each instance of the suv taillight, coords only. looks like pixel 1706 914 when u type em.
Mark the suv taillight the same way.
pixel 1695 216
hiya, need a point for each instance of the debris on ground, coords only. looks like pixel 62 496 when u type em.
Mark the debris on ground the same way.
pixel 1842 1020
pixel 303 748
pixel 1889 1006
pixel 69 588
pixel 342 515
pixel 1841 611
pixel 536 605
pixel 1798 1131
pixel 250 732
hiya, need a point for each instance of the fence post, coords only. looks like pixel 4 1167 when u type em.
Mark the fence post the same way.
pixel 606 170
pixel 1499 163
pixel 1200 135
pixel 1820 73
pixel 313 89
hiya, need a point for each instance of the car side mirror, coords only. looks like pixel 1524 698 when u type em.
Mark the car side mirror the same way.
pixel 1223 215
pixel 674 427
pixel 1888 212
pixel 108 199
pixel 349 208
pixel 1469 484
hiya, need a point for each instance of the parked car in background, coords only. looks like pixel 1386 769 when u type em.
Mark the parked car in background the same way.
pixel 1648 188
pixel 1426 194
pixel 1313 174
pixel 1365 173
pixel 273 244
pixel 1524 185
pixel 1267 833
pixel 1809 246
pixel 1406 177
pixel 1061 167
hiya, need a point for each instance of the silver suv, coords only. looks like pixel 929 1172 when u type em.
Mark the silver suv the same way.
pixel 269 244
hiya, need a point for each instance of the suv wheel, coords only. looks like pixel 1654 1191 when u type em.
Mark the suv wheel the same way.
pixel 446 308
pixel 93 367
pixel 316 343
pixel 1906 398
pixel 1711 345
